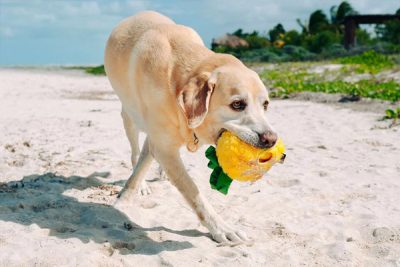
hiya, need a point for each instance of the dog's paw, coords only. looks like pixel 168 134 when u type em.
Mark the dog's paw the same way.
pixel 226 235
pixel 122 203
pixel 162 176
pixel 144 189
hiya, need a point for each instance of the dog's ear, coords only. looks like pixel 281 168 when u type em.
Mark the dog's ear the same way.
pixel 194 98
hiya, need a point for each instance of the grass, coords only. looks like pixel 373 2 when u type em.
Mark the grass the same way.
pixel 97 70
pixel 289 78
pixel 368 62
pixel 392 114
pixel 389 91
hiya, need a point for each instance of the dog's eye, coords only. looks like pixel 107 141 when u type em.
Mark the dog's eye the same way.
pixel 265 105
pixel 238 105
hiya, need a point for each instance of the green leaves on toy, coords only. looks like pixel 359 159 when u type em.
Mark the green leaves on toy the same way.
pixel 219 180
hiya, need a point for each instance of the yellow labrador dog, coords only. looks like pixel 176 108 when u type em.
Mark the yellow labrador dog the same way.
pixel 180 93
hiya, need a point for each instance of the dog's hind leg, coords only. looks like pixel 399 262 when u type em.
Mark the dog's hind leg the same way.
pixel 136 180
pixel 133 136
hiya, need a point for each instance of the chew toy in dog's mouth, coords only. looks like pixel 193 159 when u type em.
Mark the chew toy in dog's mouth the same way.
pixel 233 159
pixel 225 130
pixel 264 157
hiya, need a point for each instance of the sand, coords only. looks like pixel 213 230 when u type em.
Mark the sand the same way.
pixel 64 157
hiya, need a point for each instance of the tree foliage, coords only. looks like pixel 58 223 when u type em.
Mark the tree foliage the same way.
pixel 390 31
pixel 343 10
pixel 318 22
pixel 275 33
pixel 318 35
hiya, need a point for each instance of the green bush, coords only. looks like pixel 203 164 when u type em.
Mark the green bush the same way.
pixel 286 79
pixel 317 42
pixel 292 38
pixel 365 88
pixel 273 54
pixel 320 35
pixel 390 31
pixel 99 70
pixel 369 61
pixel 363 37
pixel 267 54
pixel 334 51
pixel 275 33
pixel 392 114
pixel 298 53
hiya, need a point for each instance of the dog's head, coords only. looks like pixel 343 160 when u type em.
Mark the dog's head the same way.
pixel 229 97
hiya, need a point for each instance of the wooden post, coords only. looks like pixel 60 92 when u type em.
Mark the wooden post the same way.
pixel 351 22
pixel 349 33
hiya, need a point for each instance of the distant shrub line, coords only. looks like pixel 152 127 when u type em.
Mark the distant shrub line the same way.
pixel 389 91
pixel 321 37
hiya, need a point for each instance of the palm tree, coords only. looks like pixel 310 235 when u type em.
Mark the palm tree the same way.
pixel 338 13
pixel 318 22
pixel 303 26
pixel 275 33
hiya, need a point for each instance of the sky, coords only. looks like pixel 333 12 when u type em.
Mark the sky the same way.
pixel 61 32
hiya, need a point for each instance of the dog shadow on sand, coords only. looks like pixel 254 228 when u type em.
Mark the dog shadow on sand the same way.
pixel 39 199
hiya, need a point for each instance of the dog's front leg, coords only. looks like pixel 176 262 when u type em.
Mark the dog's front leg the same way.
pixel 173 166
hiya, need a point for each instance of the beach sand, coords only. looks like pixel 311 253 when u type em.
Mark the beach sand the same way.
pixel 64 156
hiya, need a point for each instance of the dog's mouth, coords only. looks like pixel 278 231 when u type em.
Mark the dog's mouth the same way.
pixel 220 132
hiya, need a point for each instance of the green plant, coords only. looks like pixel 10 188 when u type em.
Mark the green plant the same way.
pixel 292 37
pixel 256 41
pixel 363 37
pixel 322 39
pixel 99 70
pixel 365 88
pixel 369 61
pixel 392 114
pixel 339 13
pixel 317 22
pixel 275 33
pixel 390 31
pixel 291 78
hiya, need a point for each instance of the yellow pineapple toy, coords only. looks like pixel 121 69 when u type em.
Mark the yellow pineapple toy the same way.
pixel 234 159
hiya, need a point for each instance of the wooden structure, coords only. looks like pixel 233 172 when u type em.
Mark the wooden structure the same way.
pixel 229 40
pixel 351 22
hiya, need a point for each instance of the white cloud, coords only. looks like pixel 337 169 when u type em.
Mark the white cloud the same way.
pixel 138 5
pixel 44 17
pixel 114 7
pixel 83 8
pixel 6 32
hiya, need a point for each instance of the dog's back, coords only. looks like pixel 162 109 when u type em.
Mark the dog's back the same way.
pixel 124 37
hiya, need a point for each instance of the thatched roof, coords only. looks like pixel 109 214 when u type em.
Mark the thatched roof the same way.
pixel 230 40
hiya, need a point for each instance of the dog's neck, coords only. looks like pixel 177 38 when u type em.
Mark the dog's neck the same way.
pixel 184 67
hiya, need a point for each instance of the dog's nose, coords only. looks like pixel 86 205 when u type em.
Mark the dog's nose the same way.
pixel 268 139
